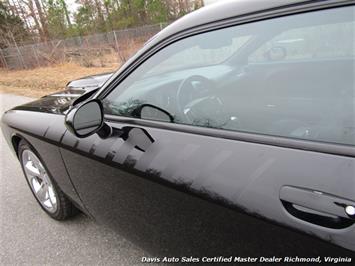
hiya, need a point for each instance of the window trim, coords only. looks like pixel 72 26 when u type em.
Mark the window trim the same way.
pixel 278 141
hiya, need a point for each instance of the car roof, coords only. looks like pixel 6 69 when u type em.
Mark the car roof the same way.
pixel 226 9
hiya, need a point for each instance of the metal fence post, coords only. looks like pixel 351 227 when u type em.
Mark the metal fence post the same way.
pixel 116 44
pixel 19 55
pixel 35 54
pixel 3 59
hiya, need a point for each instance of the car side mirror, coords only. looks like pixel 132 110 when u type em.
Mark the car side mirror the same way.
pixel 85 119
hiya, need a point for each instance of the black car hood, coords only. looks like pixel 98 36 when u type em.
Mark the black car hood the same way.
pixel 89 82
pixel 59 102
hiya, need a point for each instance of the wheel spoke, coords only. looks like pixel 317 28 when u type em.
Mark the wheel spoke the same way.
pixel 48 203
pixel 33 159
pixel 31 170
pixel 51 195
pixel 42 193
pixel 39 181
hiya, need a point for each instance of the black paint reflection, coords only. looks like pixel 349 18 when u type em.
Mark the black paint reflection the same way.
pixel 166 221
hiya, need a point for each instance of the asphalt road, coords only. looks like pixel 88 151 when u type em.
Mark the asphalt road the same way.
pixel 28 236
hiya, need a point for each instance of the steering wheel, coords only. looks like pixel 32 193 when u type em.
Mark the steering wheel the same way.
pixel 192 91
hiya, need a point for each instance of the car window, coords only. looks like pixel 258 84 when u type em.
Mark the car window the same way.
pixel 303 88
pixel 195 53
pixel 320 41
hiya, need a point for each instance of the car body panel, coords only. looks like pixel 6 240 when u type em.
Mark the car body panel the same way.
pixel 165 198
pixel 238 174
pixel 48 104
pixel 44 132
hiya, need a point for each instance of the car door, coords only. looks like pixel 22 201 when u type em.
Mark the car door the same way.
pixel 271 138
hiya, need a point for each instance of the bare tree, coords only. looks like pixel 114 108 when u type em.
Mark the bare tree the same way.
pixel 21 13
pixel 65 8
pixel 42 19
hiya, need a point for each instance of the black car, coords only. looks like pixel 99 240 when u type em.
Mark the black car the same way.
pixel 240 106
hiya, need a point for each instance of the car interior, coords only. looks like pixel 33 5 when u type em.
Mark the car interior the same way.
pixel 296 83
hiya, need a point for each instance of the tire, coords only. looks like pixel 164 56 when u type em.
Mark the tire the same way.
pixel 44 188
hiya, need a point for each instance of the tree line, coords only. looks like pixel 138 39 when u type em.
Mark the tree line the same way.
pixel 28 21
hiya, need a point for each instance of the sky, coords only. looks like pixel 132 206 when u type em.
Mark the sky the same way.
pixel 72 6
pixel 207 2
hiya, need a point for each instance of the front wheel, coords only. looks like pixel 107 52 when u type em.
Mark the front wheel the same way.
pixel 47 193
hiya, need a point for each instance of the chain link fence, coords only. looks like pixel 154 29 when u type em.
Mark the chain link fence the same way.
pixel 93 50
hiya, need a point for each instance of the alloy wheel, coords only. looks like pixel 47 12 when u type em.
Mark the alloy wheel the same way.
pixel 39 181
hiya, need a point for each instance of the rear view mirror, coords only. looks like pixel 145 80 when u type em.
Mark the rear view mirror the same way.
pixel 152 112
pixel 86 119
pixel 276 53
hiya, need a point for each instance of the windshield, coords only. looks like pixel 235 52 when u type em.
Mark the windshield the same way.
pixel 192 54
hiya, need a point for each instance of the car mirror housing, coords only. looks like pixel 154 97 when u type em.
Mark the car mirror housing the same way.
pixel 88 118
pixel 85 119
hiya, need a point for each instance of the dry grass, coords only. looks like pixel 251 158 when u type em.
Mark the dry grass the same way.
pixel 41 81
pixel 38 82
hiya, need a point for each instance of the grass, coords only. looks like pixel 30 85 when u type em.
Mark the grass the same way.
pixel 42 81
